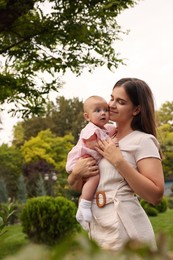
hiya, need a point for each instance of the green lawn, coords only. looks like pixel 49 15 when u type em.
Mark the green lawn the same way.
pixel 14 239
pixel 163 223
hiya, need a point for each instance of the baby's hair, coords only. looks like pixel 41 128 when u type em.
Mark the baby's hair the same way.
pixel 94 98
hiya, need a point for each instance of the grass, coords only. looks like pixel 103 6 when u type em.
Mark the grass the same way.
pixel 14 239
pixel 163 224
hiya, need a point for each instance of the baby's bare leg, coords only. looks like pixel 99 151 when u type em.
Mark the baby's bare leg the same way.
pixel 88 191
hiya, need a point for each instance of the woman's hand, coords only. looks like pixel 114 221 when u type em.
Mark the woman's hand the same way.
pixel 84 168
pixel 110 150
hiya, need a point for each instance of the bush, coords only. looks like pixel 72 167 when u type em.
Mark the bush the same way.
pixel 46 219
pixel 170 202
pixel 162 206
pixel 149 209
pixel 152 210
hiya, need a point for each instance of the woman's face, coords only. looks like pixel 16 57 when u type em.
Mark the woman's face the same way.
pixel 121 108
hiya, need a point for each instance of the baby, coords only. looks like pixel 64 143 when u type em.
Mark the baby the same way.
pixel 96 112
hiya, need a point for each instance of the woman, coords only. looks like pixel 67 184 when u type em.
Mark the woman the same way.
pixel 130 168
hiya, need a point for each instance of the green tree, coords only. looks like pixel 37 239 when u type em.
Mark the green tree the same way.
pixel 45 154
pixel 18 134
pixel 48 147
pixel 165 114
pixel 28 128
pixel 165 135
pixel 10 168
pixel 3 191
pixel 72 35
pixel 62 118
pixel 22 192
pixel 32 172
pixel 67 117
pixel 166 141
pixel 40 187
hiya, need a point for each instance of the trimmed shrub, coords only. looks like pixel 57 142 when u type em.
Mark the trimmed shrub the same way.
pixel 162 206
pixel 152 210
pixel 149 209
pixel 46 219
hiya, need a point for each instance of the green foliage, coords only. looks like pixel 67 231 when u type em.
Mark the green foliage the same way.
pixel 66 117
pixel 3 191
pixel 149 209
pixel 44 154
pixel 26 129
pixel 22 191
pixel 47 220
pixel 6 211
pixel 15 217
pixel 170 202
pixel 165 135
pixel 163 225
pixel 165 114
pixel 81 247
pixel 15 245
pixel 32 172
pixel 167 162
pixel 48 147
pixel 152 210
pixel 40 187
pixel 12 241
pixel 18 134
pixel 62 118
pixel 46 151
pixel 73 35
pixel 11 168
pixel 162 206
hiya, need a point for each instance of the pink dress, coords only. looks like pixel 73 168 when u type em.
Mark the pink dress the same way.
pixel 123 218
pixel 80 148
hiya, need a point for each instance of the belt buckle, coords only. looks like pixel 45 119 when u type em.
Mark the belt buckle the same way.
pixel 103 197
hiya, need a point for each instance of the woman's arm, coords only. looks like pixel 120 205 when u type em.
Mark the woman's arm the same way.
pixel 84 168
pixel 147 181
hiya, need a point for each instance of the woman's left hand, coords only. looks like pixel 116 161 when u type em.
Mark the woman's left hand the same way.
pixel 110 150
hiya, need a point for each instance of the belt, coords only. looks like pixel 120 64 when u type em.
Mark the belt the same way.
pixel 102 198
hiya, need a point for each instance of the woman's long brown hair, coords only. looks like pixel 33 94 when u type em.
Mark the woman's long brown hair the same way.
pixel 140 95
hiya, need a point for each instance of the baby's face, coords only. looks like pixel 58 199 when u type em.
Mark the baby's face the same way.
pixel 98 113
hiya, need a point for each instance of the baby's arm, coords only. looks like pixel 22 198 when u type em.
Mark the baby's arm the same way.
pixel 91 142
pixel 112 129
